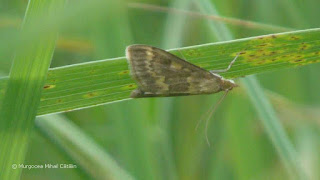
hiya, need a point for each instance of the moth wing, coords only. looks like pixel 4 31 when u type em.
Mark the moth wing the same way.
pixel 160 73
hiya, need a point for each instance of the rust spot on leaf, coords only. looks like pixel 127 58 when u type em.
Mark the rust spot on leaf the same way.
pixel 264 45
pixel 299 61
pixel 294 38
pixel 304 46
pixel 124 72
pixel 49 86
pixel 130 86
pixel 315 61
pixel 193 53
pixel 91 94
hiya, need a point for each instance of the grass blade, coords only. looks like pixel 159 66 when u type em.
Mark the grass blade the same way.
pixel 274 128
pixel 173 37
pixel 266 113
pixel 87 84
pixel 92 158
pixel 23 92
pixel 233 21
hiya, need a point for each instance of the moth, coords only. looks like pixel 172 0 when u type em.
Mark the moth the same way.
pixel 159 73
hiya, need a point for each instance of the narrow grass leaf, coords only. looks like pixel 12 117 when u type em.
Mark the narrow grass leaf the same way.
pixel 274 128
pixel 88 84
pixel 228 20
pixel 174 31
pixel 265 110
pixel 23 91
pixel 81 148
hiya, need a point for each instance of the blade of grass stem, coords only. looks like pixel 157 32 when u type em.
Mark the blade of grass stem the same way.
pixel 228 20
pixel 173 37
pixel 88 154
pixel 274 128
pixel 88 84
pixel 23 92
pixel 267 114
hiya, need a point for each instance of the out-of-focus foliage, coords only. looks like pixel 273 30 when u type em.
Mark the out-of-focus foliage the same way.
pixel 156 138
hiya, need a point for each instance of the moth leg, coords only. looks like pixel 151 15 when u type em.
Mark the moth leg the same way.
pixel 137 93
pixel 228 68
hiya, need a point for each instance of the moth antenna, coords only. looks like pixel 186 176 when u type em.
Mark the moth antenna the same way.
pixel 211 113
pixel 204 116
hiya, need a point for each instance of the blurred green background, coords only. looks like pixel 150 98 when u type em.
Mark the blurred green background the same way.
pixel 156 138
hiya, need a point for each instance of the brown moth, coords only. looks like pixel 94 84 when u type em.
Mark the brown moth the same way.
pixel 159 73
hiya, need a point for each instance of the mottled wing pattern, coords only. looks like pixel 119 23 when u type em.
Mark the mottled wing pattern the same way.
pixel 160 73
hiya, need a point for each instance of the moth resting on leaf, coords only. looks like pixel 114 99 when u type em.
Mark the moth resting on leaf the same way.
pixel 159 73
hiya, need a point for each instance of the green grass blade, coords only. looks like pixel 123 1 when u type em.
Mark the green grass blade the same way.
pixel 174 31
pixel 23 91
pixel 80 46
pixel 219 29
pixel 274 128
pixel 89 84
pixel 174 28
pixel 289 111
pixel 238 135
pixel 80 147
pixel 133 150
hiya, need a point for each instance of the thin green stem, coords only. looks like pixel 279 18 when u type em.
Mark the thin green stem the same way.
pixel 88 84
pixel 265 110
pixel 81 148
pixel 23 91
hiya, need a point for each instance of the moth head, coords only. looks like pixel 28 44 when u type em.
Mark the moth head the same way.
pixel 228 84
